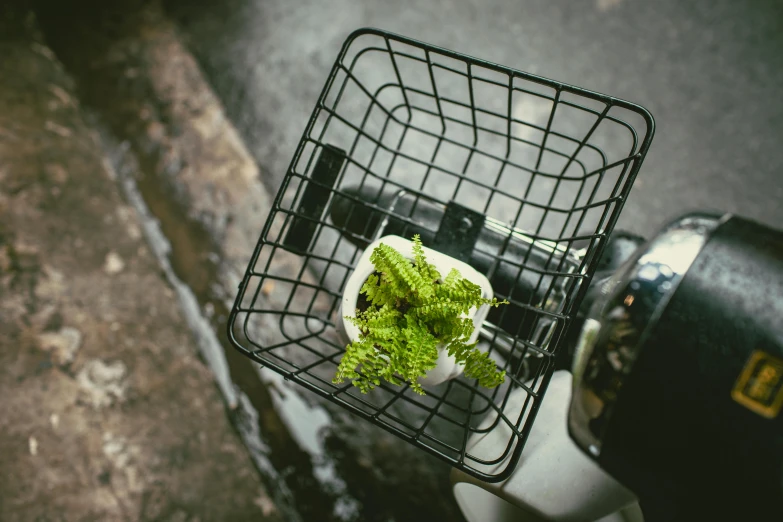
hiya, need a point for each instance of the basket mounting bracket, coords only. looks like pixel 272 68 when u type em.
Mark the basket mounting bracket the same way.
pixel 458 231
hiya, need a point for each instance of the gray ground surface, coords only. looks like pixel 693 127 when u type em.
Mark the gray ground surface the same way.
pixel 708 71
pixel 107 412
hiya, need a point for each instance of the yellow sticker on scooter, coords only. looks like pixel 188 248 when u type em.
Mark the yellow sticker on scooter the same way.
pixel 760 385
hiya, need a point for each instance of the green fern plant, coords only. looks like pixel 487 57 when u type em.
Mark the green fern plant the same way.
pixel 413 311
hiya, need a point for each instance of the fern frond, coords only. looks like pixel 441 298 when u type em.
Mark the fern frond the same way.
pixel 459 329
pixel 443 308
pixel 423 267
pixel 371 288
pixel 479 365
pixel 451 279
pixel 422 354
pixel 399 272
pixel 356 354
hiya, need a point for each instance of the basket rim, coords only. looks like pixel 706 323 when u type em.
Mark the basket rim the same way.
pixel 555 84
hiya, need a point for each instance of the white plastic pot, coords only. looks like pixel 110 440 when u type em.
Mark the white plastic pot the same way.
pixel 446 367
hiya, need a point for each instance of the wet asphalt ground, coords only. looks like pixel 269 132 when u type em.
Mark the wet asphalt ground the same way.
pixel 709 72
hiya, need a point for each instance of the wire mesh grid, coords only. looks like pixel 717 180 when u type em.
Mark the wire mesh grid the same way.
pixel 533 155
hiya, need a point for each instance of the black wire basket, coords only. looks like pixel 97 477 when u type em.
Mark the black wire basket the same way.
pixel 513 173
